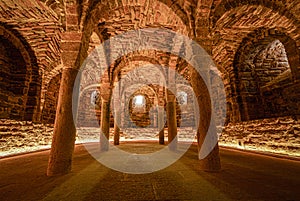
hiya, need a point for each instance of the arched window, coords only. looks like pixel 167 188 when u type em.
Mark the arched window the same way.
pixel 94 97
pixel 182 97
pixel 263 72
pixel 139 101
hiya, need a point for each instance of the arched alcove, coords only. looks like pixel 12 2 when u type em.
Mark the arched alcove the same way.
pixel 140 104
pixel 89 111
pixel 260 66
pixel 14 81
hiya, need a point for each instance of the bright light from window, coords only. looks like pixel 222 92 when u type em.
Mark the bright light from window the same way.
pixel 182 97
pixel 139 100
pixel 94 97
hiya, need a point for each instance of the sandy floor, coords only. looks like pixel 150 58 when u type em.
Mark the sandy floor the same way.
pixel 244 176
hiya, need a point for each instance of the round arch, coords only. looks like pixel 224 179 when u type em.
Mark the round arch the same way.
pixel 266 62
pixel 100 11
pixel 27 92
pixel 228 38
pixel 226 5
pixel 269 35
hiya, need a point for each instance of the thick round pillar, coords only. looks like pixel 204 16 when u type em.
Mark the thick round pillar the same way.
pixel 212 161
pixel 116 135
pixel 63 141
pixel 161 125
pixel 161 136
pixel 172 124
pixel 117 119
pixel 105 117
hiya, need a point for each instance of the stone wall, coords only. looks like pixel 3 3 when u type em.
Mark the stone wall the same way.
pixel 23 136
pixel 89 111
pixel 13 81
pixel 261 64
pixel 275 135
pixel 35 30
pixel 281 98
pixel 186 112
pixel 51 98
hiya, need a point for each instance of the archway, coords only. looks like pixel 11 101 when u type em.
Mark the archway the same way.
pixel 20 87
pixel 265 70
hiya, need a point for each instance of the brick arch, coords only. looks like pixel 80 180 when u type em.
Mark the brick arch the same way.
pixel 186 115
pixel 133 78
pixel 58 6
pixel 100 11
pixel 125 61
pixel 227 30
pixel 156 90
pixel 53 73
pixel 131 16
pixel 220 8
pixel 49 96
pixel 182 67
pixel 256 93
pixel 142 118
pixel 290 45
pixel 89 113
pixel 32 80
pixel 161 59
pixel 152 57
pixel 107 6
pixel 18 41
pixel 227 39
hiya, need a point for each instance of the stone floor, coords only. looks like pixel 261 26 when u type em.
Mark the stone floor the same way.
pixel 244 176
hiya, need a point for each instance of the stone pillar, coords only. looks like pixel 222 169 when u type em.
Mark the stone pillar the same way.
pixel 63 141
pixel 105 116
pixel 60 160
pixel 161 125
pixel 116 134
pixel 172 122
pixel 117 110
pixel 212 161
pixel 105 90
pixel 171 104
pixel 117 122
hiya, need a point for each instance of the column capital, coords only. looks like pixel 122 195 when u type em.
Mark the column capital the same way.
pixel 70 46
pixel 71 36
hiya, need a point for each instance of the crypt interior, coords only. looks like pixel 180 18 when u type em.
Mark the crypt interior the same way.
pixel 83 75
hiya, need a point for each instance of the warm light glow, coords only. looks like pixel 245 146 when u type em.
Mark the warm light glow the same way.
pixel 139 100
pixel 94 97
pixel 182 97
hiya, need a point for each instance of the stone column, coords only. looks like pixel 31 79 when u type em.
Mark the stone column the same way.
pixel 104 125
pixel 60 160
pixel 117 122
pixel 117 110
pixel 105 116
pixel 161 125
pixel 172 122
pixel 116 134
pixel 171 104
pixel 212 161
